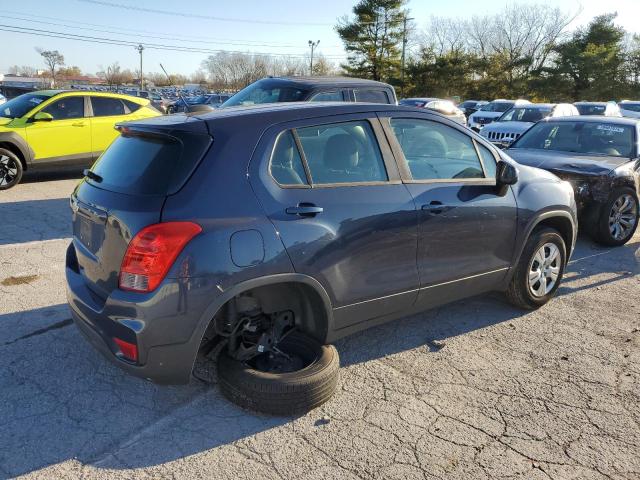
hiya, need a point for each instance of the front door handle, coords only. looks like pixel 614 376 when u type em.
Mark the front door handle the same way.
pixel 78 124
pixel 435 207
pixel 305 210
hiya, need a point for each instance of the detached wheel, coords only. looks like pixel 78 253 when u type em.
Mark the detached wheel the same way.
pixel 10 169
pixel 619 218
pixel 303 377
pixel 539 271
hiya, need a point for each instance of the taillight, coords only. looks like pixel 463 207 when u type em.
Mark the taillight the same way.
pixel 127 350
pixel 152 252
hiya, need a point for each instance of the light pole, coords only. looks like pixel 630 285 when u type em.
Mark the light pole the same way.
pixel 313 46
pixel 140 48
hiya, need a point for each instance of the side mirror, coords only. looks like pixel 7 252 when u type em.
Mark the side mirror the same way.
pixel 42 117
pixel 506 174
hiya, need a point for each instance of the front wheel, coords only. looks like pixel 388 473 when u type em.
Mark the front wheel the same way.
pixel 619 218
pixel 539 271
pixel 299 375
pixel 10 169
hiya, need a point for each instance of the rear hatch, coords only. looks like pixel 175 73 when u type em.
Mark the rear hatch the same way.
pixel 126 188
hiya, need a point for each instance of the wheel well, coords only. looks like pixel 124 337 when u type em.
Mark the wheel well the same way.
pixel 15 150
pixel 563 225
pixel 311 316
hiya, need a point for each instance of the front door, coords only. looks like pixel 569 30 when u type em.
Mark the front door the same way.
pixel 67 138
pixel 467 226
pixel 333 193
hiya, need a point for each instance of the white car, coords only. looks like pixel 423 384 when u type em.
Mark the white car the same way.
pixel 629 108
pixel 2 99
pixel 492 111
pixel 513 123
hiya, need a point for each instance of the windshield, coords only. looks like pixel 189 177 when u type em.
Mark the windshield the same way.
pixel 266 92
pixel 411 103
pixel 20 106
pixel 634 107
pixel 521 114
pixel 590 109
pixel 598 138
pixel 467 104
pixel 496 107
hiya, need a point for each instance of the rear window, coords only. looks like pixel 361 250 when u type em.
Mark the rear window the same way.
pixel 372 96
pixel 149 165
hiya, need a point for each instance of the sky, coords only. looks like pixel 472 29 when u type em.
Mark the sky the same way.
pixel 276 27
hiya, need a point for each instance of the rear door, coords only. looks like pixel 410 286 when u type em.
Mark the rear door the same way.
pixel 333 192
pixel 124 193
pixel 467 226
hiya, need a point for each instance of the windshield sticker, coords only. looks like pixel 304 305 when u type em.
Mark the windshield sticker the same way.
pixel 36 100
pixel 610 128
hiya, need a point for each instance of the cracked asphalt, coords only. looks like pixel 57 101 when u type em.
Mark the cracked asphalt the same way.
pixel 473 390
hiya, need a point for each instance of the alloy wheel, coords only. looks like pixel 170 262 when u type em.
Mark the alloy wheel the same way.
pixel 544 269
pixel 8 170
pixel 623 216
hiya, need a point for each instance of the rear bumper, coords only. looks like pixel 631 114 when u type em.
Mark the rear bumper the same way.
pixel 165 333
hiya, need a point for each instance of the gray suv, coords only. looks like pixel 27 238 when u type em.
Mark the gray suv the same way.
pixel 278 229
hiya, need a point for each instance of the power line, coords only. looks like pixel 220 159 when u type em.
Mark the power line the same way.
pixel 146 33
pixel 153 46
pixel 201 16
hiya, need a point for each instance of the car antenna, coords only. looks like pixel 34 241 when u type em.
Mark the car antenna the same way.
pixel 177 90
pixel 189 108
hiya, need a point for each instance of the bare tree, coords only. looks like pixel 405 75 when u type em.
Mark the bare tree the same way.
pixel 112 74
pixel 53 59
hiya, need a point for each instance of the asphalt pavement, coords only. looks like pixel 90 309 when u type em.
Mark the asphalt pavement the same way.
pixel 473 390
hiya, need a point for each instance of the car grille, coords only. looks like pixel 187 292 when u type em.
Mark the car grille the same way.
pixel 503 136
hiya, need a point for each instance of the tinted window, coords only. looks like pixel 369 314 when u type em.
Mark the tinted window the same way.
pixel 131 106
pixel 286 164
pixel 580 137
pixel 267 92
pixel 523 114
pixel 149 165
pixel 106 107
pixel 66 108
pixel 496 107
pixel 591 109
pixel 634 107
pixel 435 151
pixel 488 160
pixel 372 96
pixel 328 97
pixel 342 153
pixel 409 102
pixel 20 106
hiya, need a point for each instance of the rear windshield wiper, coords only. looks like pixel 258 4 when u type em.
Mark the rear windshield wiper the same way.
pixel 93 176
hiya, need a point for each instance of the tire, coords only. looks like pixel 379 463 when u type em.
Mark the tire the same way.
pixel 282 393
pixel 520 293
pixel 10 169
pixel 602 231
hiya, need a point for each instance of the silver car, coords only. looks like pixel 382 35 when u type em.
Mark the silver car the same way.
pixel 629 108
pixel 491 112
pixel 513 123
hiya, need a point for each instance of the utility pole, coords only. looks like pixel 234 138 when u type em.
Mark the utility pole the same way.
pixel 313 46
pixel 140 48
pixel 404 48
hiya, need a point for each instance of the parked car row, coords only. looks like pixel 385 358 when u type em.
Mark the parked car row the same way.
pixel 303 223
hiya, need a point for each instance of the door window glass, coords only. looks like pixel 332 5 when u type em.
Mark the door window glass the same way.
pixel 328 97
pixel 488 160
pixel 107 107
pixel 372 96
pixel 342 153
pixel 66 108
pixel 286 165
pixel 435 151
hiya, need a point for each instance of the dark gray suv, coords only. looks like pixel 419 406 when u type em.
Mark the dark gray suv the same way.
pixel 281 228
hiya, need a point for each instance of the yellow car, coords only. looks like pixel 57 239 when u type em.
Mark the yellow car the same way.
pixel 54 129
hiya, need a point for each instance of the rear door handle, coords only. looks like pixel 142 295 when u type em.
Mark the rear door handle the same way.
pixel 305 210
pixel 435 207
pixel 78 124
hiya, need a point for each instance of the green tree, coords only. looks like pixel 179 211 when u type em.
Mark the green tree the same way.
pixel 373 39
pixel 591 64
